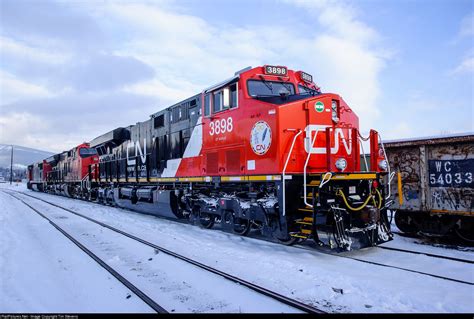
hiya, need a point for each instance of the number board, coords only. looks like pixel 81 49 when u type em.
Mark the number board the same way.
pixel 306 77
pixel 451 173
pixel 275 70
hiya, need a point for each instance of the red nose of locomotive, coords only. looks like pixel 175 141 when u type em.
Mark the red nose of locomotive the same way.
pixel 329 137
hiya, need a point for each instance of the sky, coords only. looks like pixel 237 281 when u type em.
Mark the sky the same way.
pixel 73 70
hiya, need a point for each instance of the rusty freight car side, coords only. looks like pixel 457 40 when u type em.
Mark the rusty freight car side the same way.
pixel 433 186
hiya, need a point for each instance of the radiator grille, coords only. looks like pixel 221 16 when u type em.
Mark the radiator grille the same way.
pixel 233 161
pixel 212 163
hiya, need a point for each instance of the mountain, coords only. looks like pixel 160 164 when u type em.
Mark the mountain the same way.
pixel 22 156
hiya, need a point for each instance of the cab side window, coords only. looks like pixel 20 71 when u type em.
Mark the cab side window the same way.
pixel 223 99
pixel 207 104
pixel 233 95
pixel 217 102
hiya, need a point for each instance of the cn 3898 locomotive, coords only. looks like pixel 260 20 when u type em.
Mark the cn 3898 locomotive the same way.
pixel 263 150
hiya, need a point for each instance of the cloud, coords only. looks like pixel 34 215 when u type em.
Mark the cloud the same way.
pixel 347 56
pixel 467 26
pixel 13 89
pixel 105 72
pixel 164 91
pixel 74 71
pixel 50 23
pixel 466 66
pixel 466 30
pixel 56 126
pixel 18 50
pixel 118 62
pixel 339 19
pixel 15 127
pixel 338 52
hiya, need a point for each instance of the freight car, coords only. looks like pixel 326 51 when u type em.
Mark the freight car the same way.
pixel 433 191
pixel 263 150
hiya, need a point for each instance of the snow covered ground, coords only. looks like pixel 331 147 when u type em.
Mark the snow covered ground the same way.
pixel 333 283
pixel 43 272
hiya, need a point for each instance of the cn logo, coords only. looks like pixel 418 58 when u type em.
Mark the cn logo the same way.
pixel 260 148
pixel 261 138
pixel 337 135
pixel 138 151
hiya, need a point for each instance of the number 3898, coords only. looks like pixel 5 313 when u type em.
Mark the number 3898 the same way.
pixel 221 126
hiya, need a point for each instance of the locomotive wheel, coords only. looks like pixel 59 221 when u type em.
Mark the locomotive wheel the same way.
pixel 465 235
pixel 402 222
pixel 206 220
pixel 241 226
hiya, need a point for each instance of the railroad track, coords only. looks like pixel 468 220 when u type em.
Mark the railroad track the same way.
pixel 388 266
pixel 427 254
pixel 263 291
pixel 434 244
pixel 298 247
pixel 140 294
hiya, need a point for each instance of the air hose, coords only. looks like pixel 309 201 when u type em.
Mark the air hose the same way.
pixel 371 196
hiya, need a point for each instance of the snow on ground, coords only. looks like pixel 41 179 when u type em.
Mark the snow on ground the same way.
pixel 308 275
pixel 425 246
pixel 176 285
pixel 439 267
pixel 42 272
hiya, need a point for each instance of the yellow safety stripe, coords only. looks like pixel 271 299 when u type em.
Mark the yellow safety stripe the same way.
pixel 453 212
pixel 251 178
pixel 354 176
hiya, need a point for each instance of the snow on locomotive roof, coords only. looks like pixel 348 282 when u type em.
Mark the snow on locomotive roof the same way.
pixel 436 139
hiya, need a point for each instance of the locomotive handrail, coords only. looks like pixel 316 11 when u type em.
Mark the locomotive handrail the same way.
pixel 286 164
pixel 361 140
pixel 390 176
pixel 307 161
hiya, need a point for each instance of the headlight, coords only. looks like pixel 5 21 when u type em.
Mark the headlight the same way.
pixel 341 164
pixel 383 165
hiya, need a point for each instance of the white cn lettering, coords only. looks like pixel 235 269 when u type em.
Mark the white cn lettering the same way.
pixel 338 135
pixel 138 150
pixel 130 161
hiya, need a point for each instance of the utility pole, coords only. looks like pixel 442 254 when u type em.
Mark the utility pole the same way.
pixel 11 167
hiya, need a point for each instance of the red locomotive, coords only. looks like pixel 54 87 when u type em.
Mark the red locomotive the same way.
pixel 262 150
pixel 66 173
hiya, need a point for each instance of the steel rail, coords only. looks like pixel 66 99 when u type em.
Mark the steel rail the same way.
pixel 264 291
pixel 140 294
pixel 428 254
pixel 389 266
pixel 432 244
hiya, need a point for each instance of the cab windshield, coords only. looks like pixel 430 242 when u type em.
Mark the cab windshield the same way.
pixel 87 152
pixel 306 90
pixel 257 88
